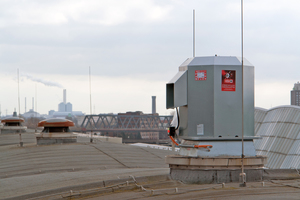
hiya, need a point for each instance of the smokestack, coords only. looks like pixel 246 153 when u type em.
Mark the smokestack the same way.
pixel 153 104
pixel 32 103
pixel 25 104
pixel 65 96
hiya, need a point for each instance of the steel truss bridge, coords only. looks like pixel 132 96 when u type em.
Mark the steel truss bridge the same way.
pixel 126 123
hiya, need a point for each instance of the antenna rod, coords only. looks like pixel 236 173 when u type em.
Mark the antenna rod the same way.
pixel 19 93
pixel 243 174
pixel 35 114
pixel 35 98
pixel 91 140
pixel 21 142
pixel 194 33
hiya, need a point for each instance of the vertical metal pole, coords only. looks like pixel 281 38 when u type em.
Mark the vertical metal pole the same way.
pixel 21 142
pixel 35 98
pixel 194 33
pixel 91 139
pixel 243 174
pixel 242 50
pixel 36 122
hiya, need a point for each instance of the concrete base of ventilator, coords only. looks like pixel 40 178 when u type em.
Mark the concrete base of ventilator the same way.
pixel 205 170
pixel 55 138
pixel 13 129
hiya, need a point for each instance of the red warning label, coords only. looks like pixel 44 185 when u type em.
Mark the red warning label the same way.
pixel 200 75
pixel 228 80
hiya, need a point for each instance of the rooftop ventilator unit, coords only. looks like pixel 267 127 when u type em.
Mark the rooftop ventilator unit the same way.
pixel 214 99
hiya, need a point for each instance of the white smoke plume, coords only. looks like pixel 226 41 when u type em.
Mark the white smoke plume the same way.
pixel 40 80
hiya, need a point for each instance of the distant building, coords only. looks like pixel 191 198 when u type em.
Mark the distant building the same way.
pixel 62 114
pixel 31 114
pixel 134 123
pixel 61 107
pixel 295 95
pixel 69 107
pixel 51 112
pixel 142 123
pixel 64 106
pixel 64 109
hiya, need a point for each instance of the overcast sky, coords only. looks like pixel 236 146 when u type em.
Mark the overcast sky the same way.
pixel 134 47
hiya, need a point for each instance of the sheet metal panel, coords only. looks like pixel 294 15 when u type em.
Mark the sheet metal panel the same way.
pixel 177 90
pixel 259 115
pixel 295 149
pixel 279 128
pixel 208 105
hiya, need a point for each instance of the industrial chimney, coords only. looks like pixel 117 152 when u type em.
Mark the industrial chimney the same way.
pixel 65 96
pixel 25 104
pixel 153 104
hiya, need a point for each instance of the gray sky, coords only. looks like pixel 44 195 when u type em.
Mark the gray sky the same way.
pixel 134 48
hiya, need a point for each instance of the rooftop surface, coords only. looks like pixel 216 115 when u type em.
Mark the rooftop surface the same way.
pixel 100 171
